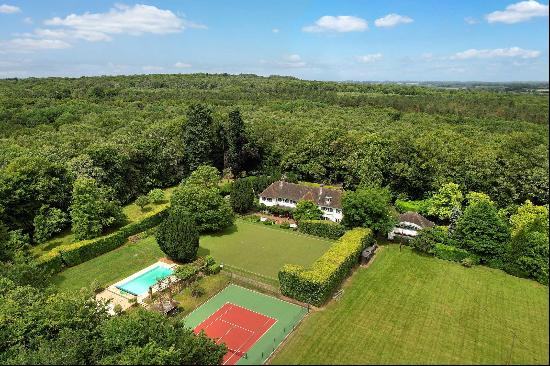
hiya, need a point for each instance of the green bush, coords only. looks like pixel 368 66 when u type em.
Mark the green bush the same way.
pixel 156 196
pixel 213 269
pixel 316 284
pixel 285 225
pixel 427 238
pixel 454 254
pixel 186 272
pixel 323 228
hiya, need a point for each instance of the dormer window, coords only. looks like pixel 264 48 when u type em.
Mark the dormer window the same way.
pixel 328 200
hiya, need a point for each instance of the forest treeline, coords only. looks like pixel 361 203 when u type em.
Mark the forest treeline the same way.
pixel 129 133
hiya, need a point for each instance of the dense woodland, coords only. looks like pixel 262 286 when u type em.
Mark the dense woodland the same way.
pixel 128 134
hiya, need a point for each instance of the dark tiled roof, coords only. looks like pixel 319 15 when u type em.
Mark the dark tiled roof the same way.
pixel 415 218
pixel 297 192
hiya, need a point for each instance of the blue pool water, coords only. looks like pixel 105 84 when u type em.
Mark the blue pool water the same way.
pixel 140 284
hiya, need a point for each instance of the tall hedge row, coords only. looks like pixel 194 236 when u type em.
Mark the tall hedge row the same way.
pixel 75 253
pixel 451 253
pixel 316 284
pixel 323 228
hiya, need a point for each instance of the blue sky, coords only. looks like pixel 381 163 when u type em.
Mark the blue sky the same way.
pixel 313 39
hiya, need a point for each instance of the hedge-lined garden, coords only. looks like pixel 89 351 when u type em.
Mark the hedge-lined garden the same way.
pixel 73 254
pixel 317 284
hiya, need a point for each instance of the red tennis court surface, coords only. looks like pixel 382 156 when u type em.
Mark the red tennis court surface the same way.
pixel 237 327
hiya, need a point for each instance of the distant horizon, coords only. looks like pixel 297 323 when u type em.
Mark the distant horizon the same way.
pixel 286 76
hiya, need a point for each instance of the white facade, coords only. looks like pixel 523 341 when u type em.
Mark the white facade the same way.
pixel 329 213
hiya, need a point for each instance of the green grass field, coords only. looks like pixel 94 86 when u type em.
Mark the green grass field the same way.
pixel 261 249
pixel 409 309
pixel 286 314
pixel 110 267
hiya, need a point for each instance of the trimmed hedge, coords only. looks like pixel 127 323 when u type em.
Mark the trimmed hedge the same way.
pixel 317 284
pixel 51 262
pixel 450 253
pixel 82 251
pixel 323 228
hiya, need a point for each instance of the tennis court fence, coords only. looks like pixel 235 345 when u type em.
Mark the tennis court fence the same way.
pixel 253 277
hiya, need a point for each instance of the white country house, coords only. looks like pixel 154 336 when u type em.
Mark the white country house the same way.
pixel 286 194
pixel 410 223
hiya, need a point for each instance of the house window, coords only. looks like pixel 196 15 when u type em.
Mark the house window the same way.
pixel 287 200
pixel 263 198
pixel 338 211
pixel 279 199
pixel 268 199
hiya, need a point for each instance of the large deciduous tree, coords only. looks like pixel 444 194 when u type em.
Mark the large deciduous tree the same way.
pixel 442 203
pixel 28 183
pixel 369 207
pixel 93 209
pixel 528 254
pixel 482 231
pixel 178 237
pixel 49 221
pixel 200 196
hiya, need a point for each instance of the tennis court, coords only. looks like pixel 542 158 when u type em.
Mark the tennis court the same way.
pixel 251 324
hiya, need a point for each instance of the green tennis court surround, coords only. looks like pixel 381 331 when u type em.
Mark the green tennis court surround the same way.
pixel 285 314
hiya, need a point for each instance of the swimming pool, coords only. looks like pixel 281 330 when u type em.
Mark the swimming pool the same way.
pixel 140 284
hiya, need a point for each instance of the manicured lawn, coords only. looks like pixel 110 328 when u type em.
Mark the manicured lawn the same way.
pixel 253 247
pixel 261 249
pixel 133 214
pixel 410 309
pixel 110 267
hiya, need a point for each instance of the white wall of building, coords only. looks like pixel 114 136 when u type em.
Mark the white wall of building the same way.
pixel 329 213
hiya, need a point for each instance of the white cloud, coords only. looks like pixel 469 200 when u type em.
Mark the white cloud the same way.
pixel 275 30
pixel 512 52
pixel 369 58
pixel 9 9
pixel 518 12
pixel 293 61
pixel 182 65
pixel 152 68
pixel 471 20
pixel 28 20
pixel 340 23
pixel 391 20
pixel 122 19
pixel 32 44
